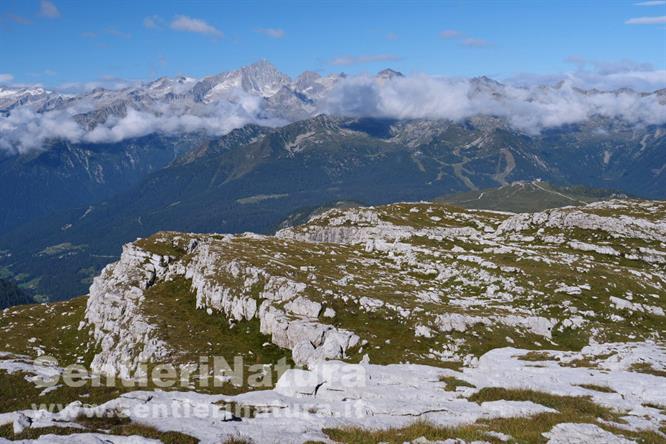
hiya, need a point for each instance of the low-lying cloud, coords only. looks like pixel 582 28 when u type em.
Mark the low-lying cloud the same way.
pixel 215 119
pixel 526 109
pixel 524 102
pixel 25 130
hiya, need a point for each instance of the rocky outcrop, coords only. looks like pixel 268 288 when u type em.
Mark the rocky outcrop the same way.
pixel 444 275
pixel 283 311
pixel 124 336
pixel 126 339
pixel 537 325
pixel 624 226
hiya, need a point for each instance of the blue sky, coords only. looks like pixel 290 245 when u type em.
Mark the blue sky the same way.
pixel 60 41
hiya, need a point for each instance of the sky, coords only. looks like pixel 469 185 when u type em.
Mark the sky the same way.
pixel 62 43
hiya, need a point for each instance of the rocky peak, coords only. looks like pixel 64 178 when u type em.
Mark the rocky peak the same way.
pixel 485 85
pixel 307 77
pixel 389 73
pixel 308 82
pixel 263 78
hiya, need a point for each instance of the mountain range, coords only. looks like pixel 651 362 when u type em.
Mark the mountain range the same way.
pixel 258 151
pixel 285 98
pixel 61 151
pixel 30 117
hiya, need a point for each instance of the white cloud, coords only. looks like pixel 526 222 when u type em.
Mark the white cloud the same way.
pixel 48 9
pixel 525 109
pixel 216 119
pixel 189 24
pixel 651 3
pixel 25 130
pixel 5 77
pixel 354 60
pixel 647 20
pixel 274 33
pixel 450 34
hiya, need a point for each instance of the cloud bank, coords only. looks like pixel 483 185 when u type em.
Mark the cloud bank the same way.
pixel 24 130
pixel 526 109
pixel 524 102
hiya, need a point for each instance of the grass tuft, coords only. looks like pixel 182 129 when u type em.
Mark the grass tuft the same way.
pixel 597 388
pixel 646 367
pixel 522 429
pixel 452 383
pixel 357 435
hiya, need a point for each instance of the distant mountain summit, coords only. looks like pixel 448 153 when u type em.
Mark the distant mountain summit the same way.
pixel 260 79
pixel 389 74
